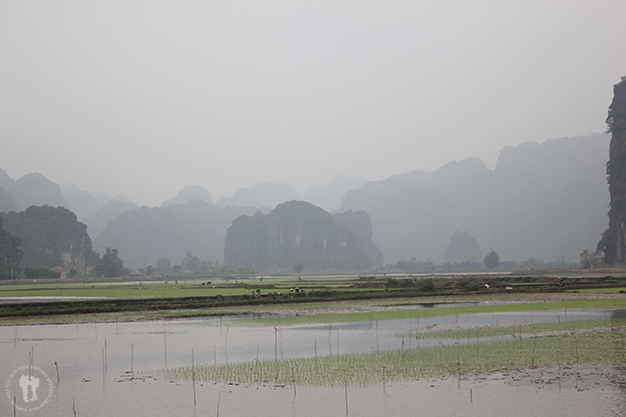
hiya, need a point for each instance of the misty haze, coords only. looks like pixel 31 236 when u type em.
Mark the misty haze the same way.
pixel 433 123
pixel 312 208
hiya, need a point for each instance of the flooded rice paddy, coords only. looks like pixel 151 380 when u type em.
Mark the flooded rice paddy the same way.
pixel 117 369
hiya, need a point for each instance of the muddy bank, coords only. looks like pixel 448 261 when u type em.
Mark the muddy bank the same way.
pixel 301 308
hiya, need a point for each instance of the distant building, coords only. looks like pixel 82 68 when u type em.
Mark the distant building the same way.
pixel 61 271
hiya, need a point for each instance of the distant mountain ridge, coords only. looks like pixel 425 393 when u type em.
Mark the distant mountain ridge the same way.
pixel 546 201
pixel 30 190
pixel 189 193
pixel 264 194
pixel 144 235
pixel 328 196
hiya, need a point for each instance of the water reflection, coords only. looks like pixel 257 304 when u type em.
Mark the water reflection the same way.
pixel 91 357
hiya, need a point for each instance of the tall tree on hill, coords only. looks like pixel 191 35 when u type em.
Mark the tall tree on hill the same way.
pixel 110 265
pixel 613 242
pixel 491 260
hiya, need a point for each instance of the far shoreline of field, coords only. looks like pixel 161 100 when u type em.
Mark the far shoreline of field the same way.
pixel 311 308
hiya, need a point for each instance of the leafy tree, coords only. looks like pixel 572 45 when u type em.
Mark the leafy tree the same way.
pixel 590 260
pixel 37 272
pixel 491 260
pixel 206 266
pixel 191 262
pixel 413 265
pixel 297 267
pixel 147 271
pixel 110 265
pixel 163 265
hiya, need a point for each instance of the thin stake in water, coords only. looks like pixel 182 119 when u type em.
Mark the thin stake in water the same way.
pixel 330 346
pixel 164 346
pixel 226 343
pixel 384 386
pixel 193 379
pixel 376 335
pixel 275 343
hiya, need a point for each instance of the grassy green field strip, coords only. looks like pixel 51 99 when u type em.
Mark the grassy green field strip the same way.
pixel 401 365
pixel 474 334
pixel 149 289
pixel 127 291
pixel 614 303
pixel 602 290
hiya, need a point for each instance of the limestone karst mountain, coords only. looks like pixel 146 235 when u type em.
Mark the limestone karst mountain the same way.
pixel 295 231
pixel 546 201
pixel 50 237
pixel 613 242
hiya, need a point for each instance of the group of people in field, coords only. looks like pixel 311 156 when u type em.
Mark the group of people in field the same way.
pixel 274 295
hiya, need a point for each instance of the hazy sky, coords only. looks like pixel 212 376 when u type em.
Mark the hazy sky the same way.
pixel 145 97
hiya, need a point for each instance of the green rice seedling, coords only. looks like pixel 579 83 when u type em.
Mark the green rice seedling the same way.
pixel 516 330
pixel 362 369
pixel 600 304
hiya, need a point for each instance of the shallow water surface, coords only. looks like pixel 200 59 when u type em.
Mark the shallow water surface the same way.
pixel 94 361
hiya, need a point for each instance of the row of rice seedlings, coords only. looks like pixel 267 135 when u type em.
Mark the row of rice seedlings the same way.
pixel 603 304
pixel 476 333
pixel 361 369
